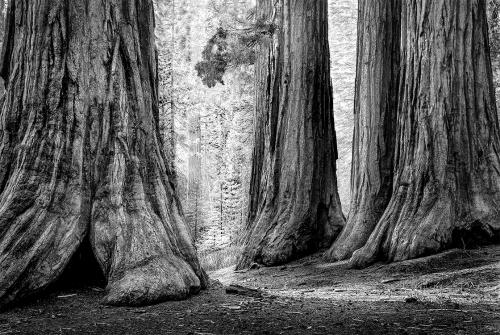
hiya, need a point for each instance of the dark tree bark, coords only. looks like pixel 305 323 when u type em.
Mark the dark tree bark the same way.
pixel 446 186
pixel 294 207
pixel 375 107
pixel 81 154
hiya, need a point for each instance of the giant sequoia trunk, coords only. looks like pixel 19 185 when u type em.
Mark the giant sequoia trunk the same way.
pixel 446 184
pixel 80 154
pixel 375 106
pixel 294 208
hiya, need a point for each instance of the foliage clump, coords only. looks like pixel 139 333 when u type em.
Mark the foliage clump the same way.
pixel 215 59
pixel 231 48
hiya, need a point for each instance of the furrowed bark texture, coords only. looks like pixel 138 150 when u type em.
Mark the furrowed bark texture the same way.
pixel 80 154
pixel 375 107
pixel 446 187
pixel 294 206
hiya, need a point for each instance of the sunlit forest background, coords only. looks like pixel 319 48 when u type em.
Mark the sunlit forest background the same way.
pixel 209 129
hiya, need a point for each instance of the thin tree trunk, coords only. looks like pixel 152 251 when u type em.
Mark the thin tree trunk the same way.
pixel 221 209
pixel 194 168
pixel 2 38
pixel 81 154
pixel 294 208
pixel 196 219
pixel 173 136
pixel 446 188
pixel 375 107
pixel 494 25
pixel 2 20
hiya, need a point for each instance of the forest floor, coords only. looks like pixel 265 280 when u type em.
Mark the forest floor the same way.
pixel 457 292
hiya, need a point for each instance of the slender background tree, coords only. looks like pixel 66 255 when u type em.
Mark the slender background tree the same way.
pixel 494 25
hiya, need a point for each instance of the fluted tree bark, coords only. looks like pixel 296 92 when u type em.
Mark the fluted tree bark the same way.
pixel 375 109
pixel 294 204
pixel 446 183
pixel 81 154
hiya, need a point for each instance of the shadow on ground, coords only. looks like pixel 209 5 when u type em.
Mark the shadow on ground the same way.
pixel 453 293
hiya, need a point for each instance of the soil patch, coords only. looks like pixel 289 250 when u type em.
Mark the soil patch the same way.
pixel 453 293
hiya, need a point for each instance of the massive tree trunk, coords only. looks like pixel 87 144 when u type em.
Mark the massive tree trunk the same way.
pixel 294 208
pixel 446 186
pixel 81 155
pixel 375 106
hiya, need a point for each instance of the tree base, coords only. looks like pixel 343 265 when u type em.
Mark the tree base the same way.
pixel 81 156
pixel 83 270
pixel 402 234
pixel 353 237
pixel 159 280
pixel 287 241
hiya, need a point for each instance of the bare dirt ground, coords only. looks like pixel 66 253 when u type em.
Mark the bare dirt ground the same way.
pixel 456 292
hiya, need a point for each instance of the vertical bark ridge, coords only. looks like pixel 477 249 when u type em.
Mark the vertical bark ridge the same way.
pixel 375 111
pixel 447 166
pixel 80 129
pixel 295 208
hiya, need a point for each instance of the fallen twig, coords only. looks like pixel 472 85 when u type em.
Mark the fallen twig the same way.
pixel 245 291
pixel 455 310
pixel 390 280
pixel 66 296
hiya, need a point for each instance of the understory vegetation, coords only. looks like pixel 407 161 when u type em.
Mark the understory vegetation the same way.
pixel 216 259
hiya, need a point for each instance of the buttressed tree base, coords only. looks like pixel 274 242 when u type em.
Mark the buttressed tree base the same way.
pixel 81 155
pixel 294 204
pixel 426 160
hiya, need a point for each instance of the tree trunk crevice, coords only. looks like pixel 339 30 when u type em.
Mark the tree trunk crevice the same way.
pixel 294 204
pixel 79 127
pixel 446 175
pixel 375 110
